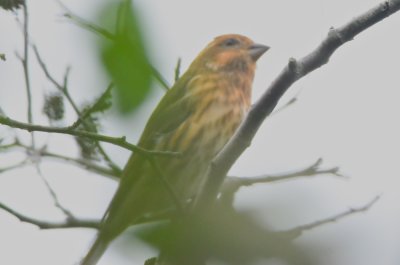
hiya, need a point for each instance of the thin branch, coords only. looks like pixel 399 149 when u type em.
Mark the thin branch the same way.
pixel 25 64
pixel 294 71
pixel 69 223
pixel 119 141
pixel 85 164
pixel 83 23
pixel 15 166
pixel 64 89
pixel 9 146
pixel 291 102
pixel 173 195
pixel 54 196
pixel 233 184
pixel 158 76
pixel 297 231
pixel 61 87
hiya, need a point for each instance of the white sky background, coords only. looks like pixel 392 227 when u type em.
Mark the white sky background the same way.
pixel 347 113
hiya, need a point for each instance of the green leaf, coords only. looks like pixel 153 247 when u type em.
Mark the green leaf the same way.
pixel 125 58
pixel 220 234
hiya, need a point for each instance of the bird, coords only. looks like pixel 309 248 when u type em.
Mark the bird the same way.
pixel 195 118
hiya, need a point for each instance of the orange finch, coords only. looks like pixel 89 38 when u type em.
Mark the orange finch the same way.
pixel 196 118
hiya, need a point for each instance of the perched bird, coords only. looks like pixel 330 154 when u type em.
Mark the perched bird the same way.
pixel 196 118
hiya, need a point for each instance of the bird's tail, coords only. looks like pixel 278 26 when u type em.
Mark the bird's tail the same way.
pixel 96 251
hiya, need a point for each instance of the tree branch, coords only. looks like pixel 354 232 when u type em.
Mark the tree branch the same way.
pixel 295 70
pixel 25 64
pixel 119 141
pixel 297 231
pixel 63 88
pixel 68 223
pixel 232 184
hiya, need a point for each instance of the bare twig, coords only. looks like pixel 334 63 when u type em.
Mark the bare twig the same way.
pixel 9 146
pixel 15 166
pixel 233 184
pixel 119 141
pixel 61 87
pixel 69 223
pixel 161 80
pixel 64 89
pixel 84 163
pixel 297 231
pixel 83 23
pixel 295 70
pixel 25 64
pixel 292 101
pixel 54 196
pixel 174 196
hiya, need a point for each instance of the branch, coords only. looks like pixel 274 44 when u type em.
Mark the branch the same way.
pixel 15 166
pixel 61 87
pixel 54 196
pixel 232 184
pixel 87 164
pixel 297 231
pixel 74 222
pixel 161 176
pixel 69 223
pixel 119 141
pixel 64 89
pixel 295 70
pixel 84 163
pixel 25 66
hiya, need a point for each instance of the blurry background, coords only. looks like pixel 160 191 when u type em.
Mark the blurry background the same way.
pixel 346 113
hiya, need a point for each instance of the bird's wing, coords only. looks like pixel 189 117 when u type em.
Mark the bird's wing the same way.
pixel 173 110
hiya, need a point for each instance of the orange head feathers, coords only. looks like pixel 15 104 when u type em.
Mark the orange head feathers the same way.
pixel 230 52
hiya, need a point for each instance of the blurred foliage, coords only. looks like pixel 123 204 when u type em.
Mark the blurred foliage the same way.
pixel 219 234
pixel 53 106
pixel 90 122
pixel 11 4
pixel 88 146
pixel 101 104
pixel 125 58
pixel 2 56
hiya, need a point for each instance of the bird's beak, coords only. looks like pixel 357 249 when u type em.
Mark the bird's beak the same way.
pixel 256 50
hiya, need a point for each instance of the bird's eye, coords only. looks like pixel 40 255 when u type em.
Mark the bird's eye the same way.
pixel 230 42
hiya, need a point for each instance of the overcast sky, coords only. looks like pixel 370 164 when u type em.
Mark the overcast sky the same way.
pixel 347 113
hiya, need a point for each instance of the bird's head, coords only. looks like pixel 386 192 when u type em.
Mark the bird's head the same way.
pixel 230 53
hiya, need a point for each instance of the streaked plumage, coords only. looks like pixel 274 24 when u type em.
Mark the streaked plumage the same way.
pixel 196 117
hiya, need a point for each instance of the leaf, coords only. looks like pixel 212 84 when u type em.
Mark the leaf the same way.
pixel 125 59
pixel 101 104
pixel 220 234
